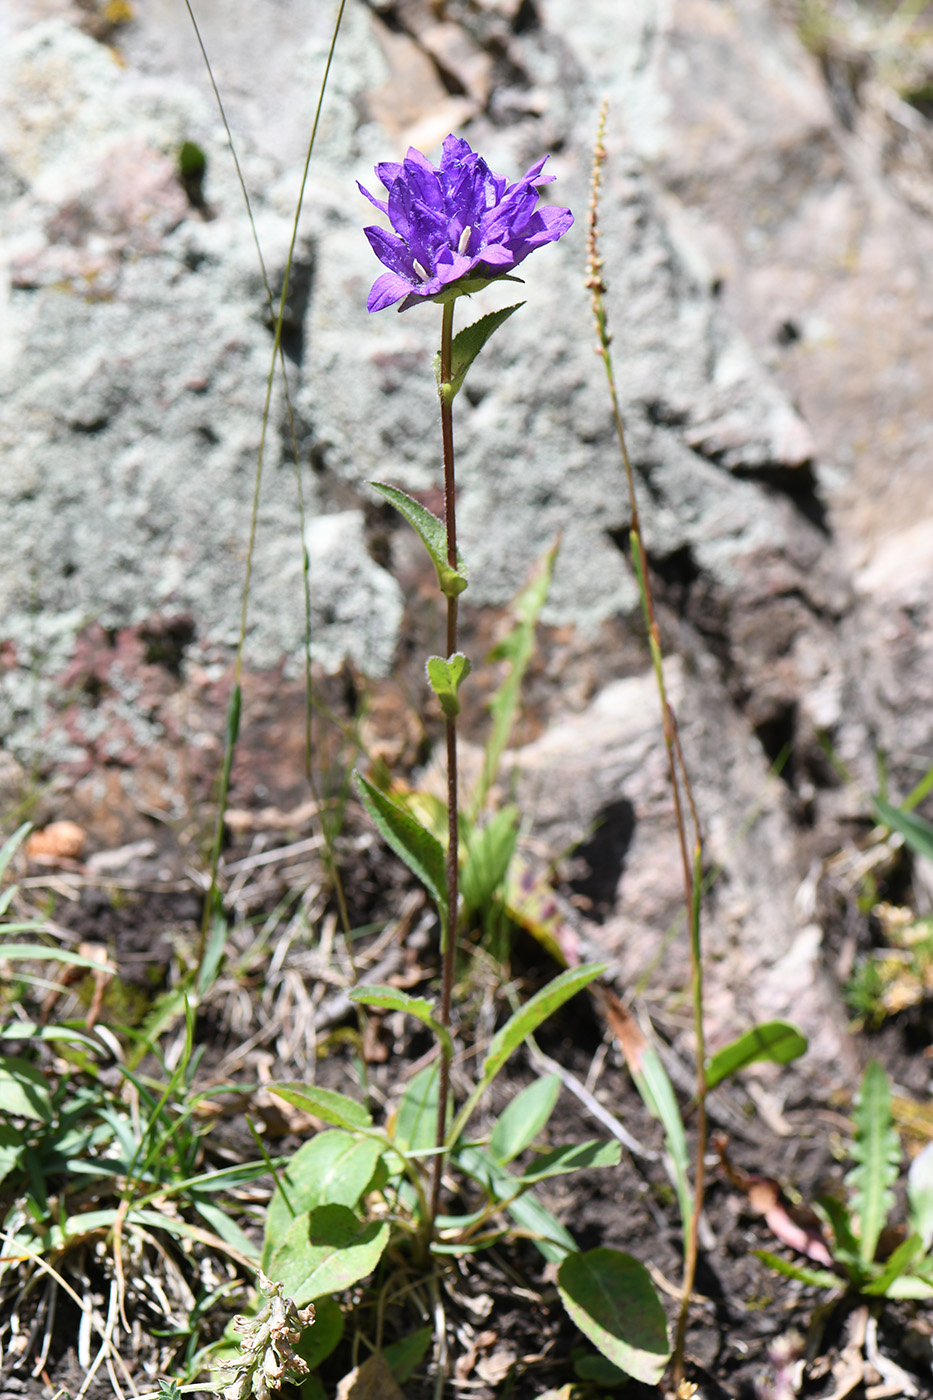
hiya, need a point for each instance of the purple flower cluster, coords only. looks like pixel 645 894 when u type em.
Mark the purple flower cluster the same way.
pixel 456 226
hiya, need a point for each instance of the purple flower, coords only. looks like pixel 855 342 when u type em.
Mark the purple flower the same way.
pixel 455 227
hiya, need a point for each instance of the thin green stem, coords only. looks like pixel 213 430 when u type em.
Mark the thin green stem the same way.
pixel 692 869
pixel 449 932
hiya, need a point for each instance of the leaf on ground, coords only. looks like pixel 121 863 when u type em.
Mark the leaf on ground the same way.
pixel 610 1297
pixel 798 1227
pixel 371 1381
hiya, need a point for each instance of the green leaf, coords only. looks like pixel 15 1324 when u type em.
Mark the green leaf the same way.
pixel 657 1094
pixel 523 1119
pixel 223 1226
pixel 876 1152
pixel 519 1027
pixel 466 346
pixel 909 1286
pixel 11 845
pixel 326 1250
pixel 489 852
pixel 333 1168
pixel 433 535
pixel 517 648
pixel 325 1104
pixel 776 1041
pixel 416 1119
pixel 11 1145
pixel 916 832
pixel 23 1092
pixel 29 1030
pixel 846 1250
pixel 610 1297
pixel 421 852
pixel 816 1278
pixel 403 1356
pixel 21 952
pixel 318 1342
pixel 589 1366
pixel 896 1268
pixel 577 1156
pixel 920 1194
pixel 445 679
pixel 391 999
pixel 528 1018
pixel 550 1238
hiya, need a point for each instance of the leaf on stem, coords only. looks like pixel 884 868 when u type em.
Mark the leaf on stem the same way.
pixel 523 1119
pixel 776 1041
pixel 391 999
pixel 433 535
pixel 528 1018
pixel 445 679
pixel 326 1104
pixel 465 348
pixel 421 852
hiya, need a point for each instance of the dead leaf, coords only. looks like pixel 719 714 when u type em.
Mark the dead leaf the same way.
pixel 371 1381
pixel 796 1226
pixel 59 841
pixel 625 1029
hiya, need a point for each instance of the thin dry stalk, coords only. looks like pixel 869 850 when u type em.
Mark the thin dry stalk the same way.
pixel 680 781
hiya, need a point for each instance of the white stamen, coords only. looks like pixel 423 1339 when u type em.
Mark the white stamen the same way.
pixel 464 239
pixel 419 269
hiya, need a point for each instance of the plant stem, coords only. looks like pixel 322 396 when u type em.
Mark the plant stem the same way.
pixel 692 870
pixel 448 932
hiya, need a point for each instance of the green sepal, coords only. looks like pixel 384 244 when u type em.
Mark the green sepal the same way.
pixel 433 535
pixel 421 852
pixel 445 679
pixel 466 346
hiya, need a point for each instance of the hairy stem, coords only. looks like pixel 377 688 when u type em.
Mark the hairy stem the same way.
pixel 449 932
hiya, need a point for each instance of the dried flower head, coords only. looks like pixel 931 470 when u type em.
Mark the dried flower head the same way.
pixel 266 1357
pixel 456 226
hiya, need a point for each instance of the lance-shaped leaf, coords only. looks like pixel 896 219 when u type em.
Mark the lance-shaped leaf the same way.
pixel 466 346
pixel 392 999
pixel 445 679
pixel 433 535
pixel 916 832
pixel 777 1041
pixel 877 1153
pixel 421 852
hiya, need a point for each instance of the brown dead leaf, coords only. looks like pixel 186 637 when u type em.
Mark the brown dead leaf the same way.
pixel 371 1381
pixel 625 1029
pixel 796 1226
pixel 59 841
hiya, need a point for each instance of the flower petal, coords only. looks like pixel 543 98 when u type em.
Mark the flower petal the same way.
pixel 386 291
